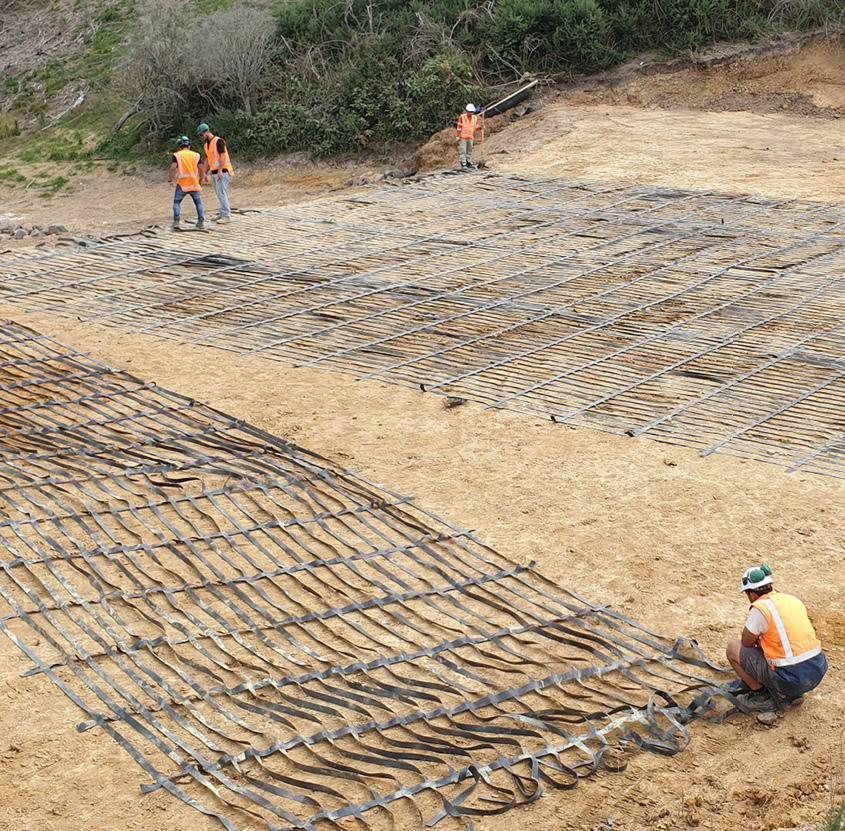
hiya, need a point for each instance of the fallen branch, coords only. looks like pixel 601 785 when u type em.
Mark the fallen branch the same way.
pixel 136 108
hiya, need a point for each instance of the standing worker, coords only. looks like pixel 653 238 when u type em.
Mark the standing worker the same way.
pixel 467 126
pixel 185 171
pixel 778 658
pixel 219 166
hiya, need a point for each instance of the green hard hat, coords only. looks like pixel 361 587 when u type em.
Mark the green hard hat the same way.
pixel 203 128
pixel 182 141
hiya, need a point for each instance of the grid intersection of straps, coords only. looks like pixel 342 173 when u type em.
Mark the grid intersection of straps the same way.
pixel 700 319
pixel 284 645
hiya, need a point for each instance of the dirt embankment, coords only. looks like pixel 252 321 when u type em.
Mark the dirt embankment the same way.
pixel 755 120
pixel 805 78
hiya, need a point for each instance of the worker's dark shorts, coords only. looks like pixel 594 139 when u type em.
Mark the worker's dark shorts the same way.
pixel 784 682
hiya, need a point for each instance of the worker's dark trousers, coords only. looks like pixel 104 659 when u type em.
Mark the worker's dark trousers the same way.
pixel 177 203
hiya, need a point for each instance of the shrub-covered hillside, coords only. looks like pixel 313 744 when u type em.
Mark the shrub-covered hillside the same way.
pixel 330 76
pixel 333 76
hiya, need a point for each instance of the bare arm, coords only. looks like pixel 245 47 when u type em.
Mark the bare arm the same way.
pixel 171 174
pixel 748 638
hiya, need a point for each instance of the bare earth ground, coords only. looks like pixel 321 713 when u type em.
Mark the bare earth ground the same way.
pixel 100 200
pixel 656 531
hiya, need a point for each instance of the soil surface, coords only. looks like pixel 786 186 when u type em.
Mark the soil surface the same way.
pixel 656 531
pixel 100 201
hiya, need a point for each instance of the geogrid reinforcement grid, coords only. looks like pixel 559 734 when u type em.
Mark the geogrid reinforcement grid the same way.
pixel 699 319
pixel 285 645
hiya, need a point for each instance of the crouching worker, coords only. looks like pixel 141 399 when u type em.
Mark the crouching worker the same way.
pixel 185 171
pixel 467 126
pixel 778 658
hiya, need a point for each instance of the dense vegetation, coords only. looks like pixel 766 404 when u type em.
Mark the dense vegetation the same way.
pixel 336 76
pixel 345 74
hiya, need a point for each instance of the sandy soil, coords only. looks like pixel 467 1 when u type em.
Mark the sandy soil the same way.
pixel 100 200
pixel 803 78
pixel 773 155
pixel 656 531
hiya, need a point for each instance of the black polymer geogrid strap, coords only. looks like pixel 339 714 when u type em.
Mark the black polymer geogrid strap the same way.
pixel 284 645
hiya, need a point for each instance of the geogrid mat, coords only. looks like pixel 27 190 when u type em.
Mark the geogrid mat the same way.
pixel 281 644
pixel 699 319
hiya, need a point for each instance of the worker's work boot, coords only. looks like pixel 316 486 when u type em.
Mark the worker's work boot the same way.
pixel 200 225
pixel 757 701
pixel 176 226
pixel 736 687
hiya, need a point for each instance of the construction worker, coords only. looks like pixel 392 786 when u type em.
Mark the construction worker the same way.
pixel 185 171
pixel 468 123
pixel 778 658
pixel 219 166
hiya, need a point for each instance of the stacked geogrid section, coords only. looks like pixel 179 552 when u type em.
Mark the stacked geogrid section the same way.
pixel 285 645
pixel 700 319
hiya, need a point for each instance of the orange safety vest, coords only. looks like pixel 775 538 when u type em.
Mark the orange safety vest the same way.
pixel 467 124
pixel 187 170
pixel 218 161
pixel 790 638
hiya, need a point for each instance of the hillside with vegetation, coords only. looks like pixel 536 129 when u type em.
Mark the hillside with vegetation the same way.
pixel 119 79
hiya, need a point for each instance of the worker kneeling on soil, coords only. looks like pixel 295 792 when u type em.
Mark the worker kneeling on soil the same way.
pixel 467 126
pixel 778 658
pixel 185 171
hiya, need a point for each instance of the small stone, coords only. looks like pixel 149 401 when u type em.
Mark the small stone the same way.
pixel 56 229
pixel 36 232
pixel 20 233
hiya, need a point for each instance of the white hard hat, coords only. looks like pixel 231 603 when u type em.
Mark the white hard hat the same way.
pixel 471 108
pixel 756 577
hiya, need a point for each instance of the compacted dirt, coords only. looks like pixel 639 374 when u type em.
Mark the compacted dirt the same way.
pixel 656 531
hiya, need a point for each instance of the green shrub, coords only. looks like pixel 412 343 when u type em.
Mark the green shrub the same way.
pixel 552 35
pixel 436 92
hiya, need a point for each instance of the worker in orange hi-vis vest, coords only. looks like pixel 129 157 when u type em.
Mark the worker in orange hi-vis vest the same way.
pixel 778 658
pixel 218 166
pixel 468 124
pixel 185 171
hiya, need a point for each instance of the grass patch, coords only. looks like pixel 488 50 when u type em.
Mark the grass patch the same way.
pixel 835 820
pixel 56 146
pixel 10 176
pixel 51 187
pixel 9 127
